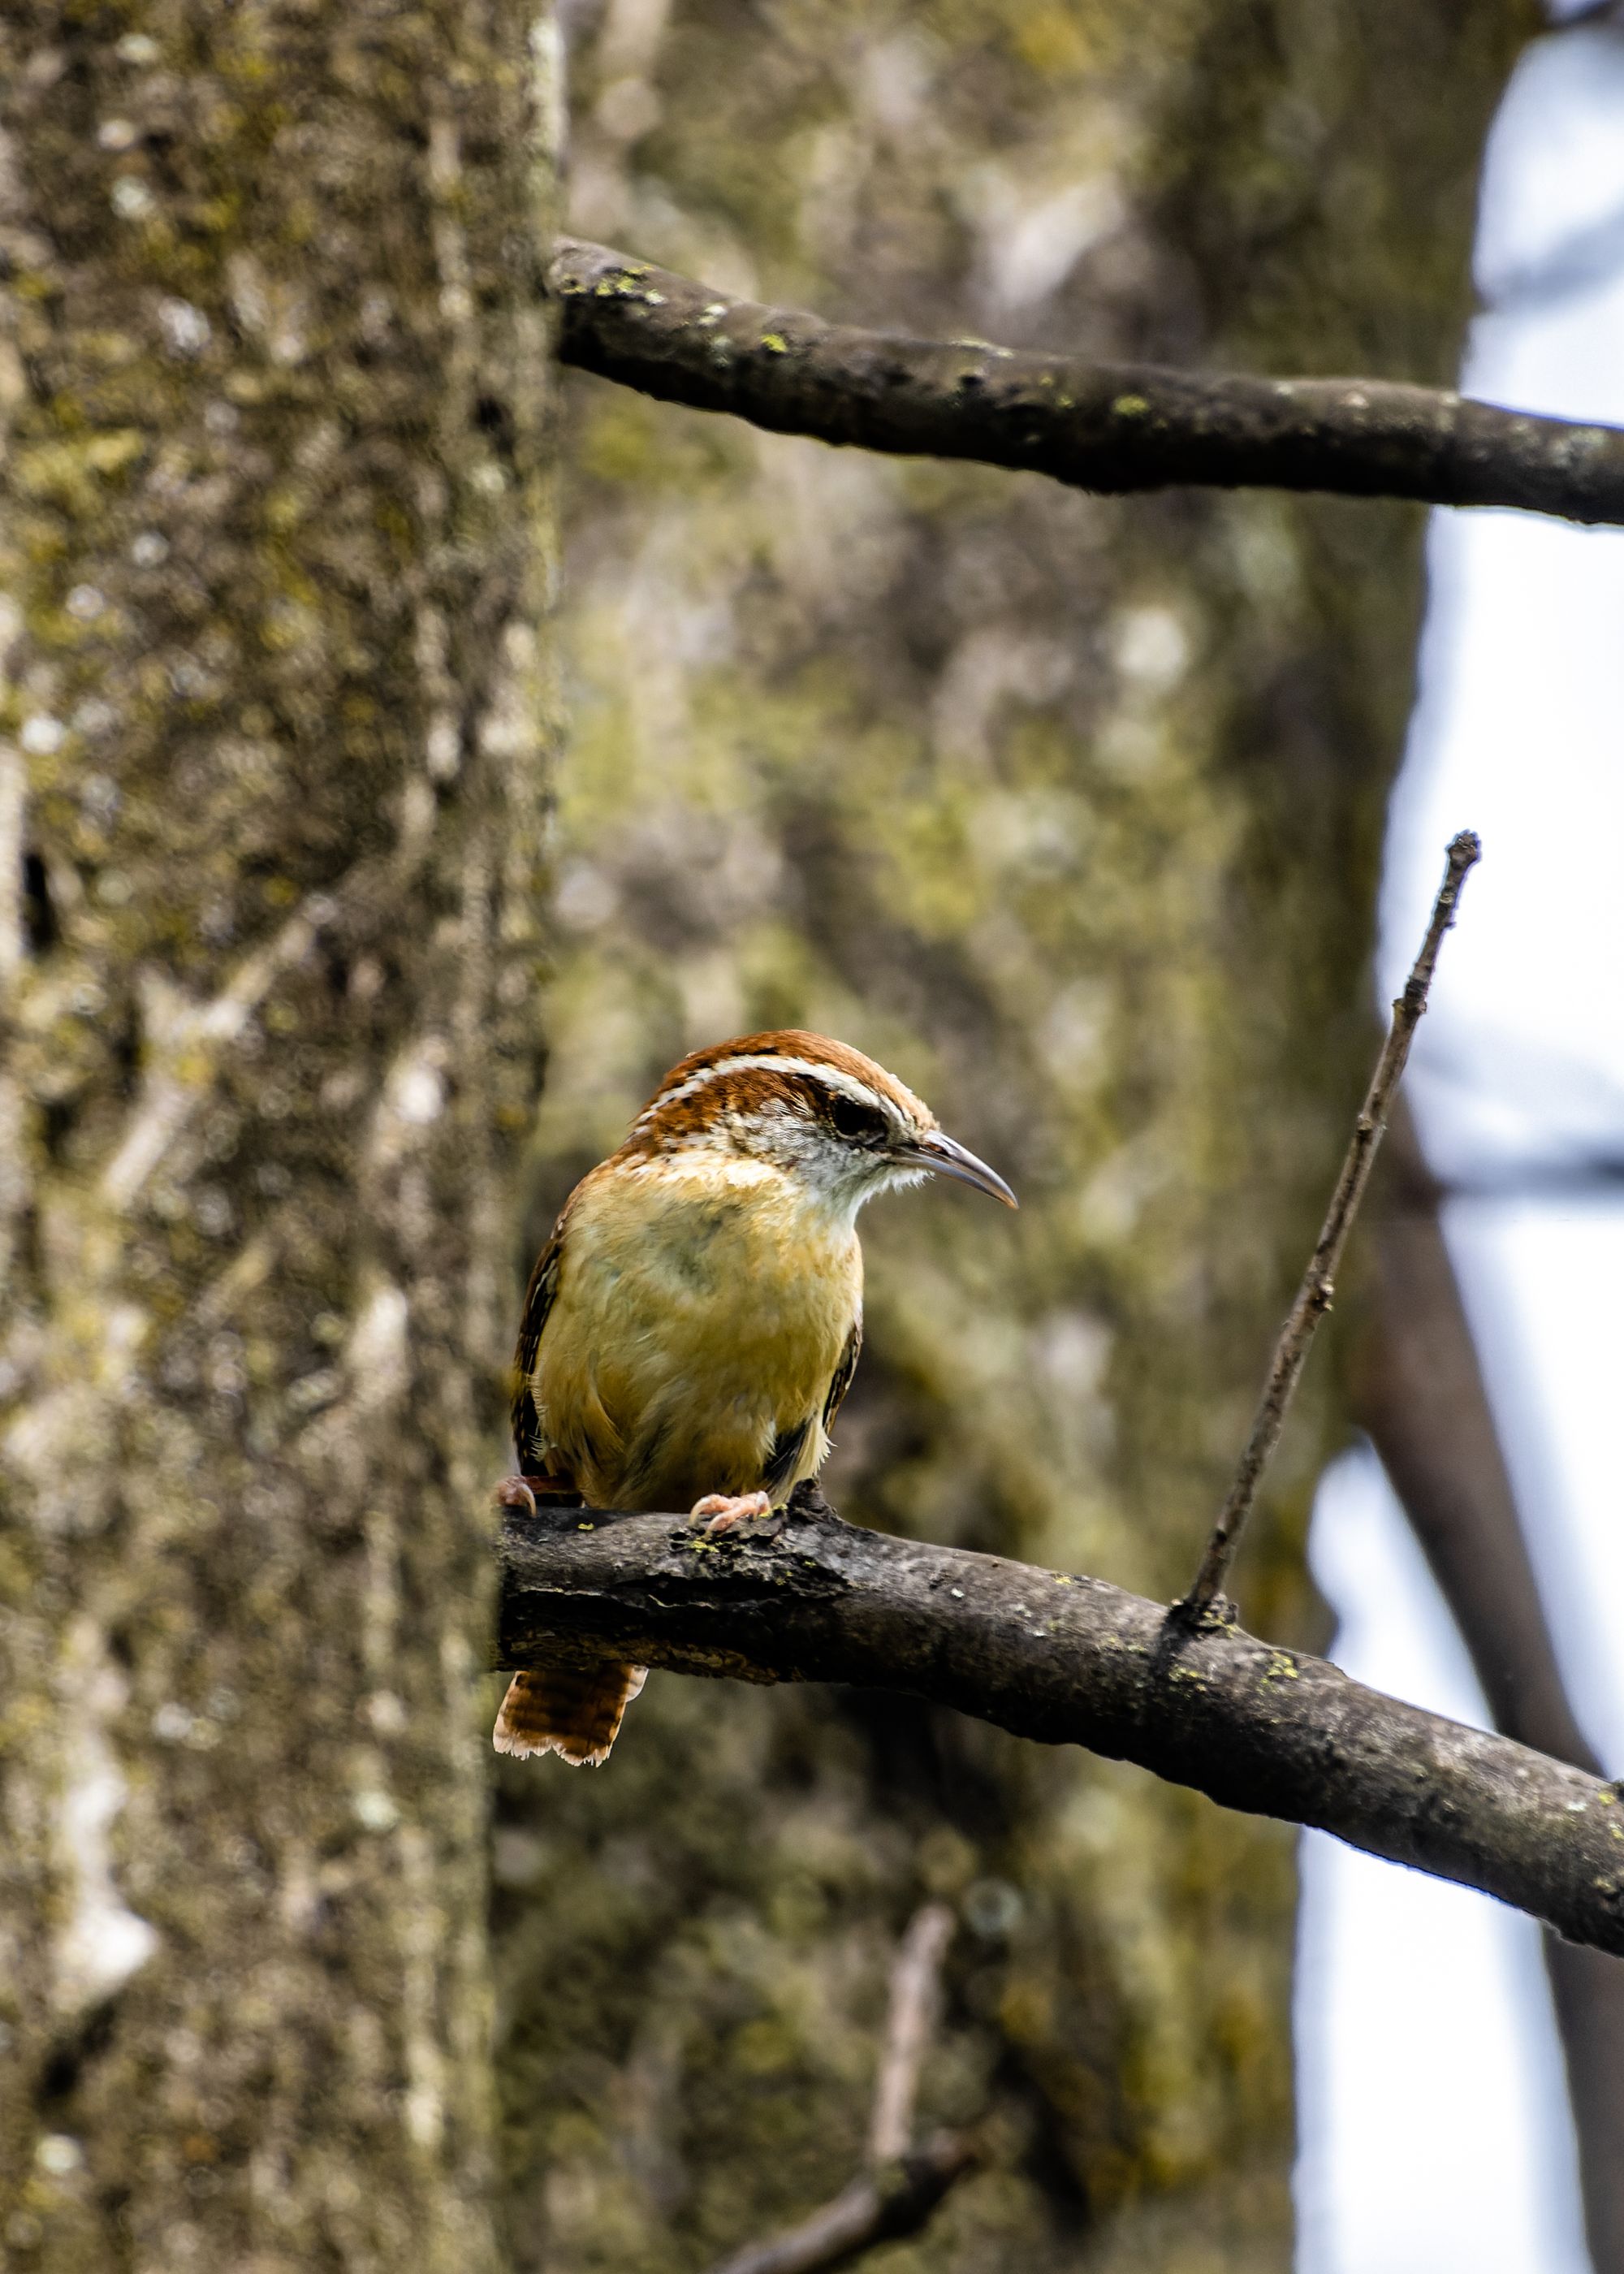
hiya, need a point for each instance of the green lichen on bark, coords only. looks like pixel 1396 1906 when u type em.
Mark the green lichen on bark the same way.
pixel 1070 810
pixel 273 562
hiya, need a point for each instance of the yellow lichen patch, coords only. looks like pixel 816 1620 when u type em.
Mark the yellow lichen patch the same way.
pixel 68 472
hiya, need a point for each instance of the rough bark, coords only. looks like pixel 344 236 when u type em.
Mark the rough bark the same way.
pixel 1111 427
pixel 1069 808
pixel 274 373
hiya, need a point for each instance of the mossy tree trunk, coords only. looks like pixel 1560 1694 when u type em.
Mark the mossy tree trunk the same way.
pixel 1070 810
pixel 272 559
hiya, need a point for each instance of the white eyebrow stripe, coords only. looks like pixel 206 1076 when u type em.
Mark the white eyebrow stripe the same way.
pixel 848 1084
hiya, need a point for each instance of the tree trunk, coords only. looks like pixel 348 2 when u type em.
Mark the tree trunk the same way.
pixel 274 375
pixel 1071 812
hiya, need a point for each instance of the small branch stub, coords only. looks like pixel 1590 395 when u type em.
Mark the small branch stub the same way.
pixel 1314 1296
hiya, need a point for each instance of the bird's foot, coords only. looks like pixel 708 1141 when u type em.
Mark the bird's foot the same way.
pixel 720 1511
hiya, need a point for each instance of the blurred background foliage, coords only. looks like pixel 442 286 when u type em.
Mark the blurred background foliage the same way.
pixel 1069 810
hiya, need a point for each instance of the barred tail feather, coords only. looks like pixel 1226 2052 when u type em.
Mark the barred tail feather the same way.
pixel 572 1711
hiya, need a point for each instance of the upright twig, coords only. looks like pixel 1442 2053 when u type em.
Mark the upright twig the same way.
pixel 903 2184
pixel 1314 1297
pixel 907 2031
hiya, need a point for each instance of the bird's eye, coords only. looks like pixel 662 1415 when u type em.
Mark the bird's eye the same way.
pixel 859 1125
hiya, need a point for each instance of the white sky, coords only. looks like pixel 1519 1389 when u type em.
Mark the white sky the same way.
pixel 1434 2130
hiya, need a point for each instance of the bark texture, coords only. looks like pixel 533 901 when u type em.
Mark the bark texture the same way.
pixel 274 374
pixel 1070 810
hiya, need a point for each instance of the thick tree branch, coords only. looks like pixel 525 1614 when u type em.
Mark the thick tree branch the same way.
pixel 1072 1661
pixel 1104 426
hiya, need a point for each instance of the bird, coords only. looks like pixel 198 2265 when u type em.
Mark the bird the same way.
pixel 695 1320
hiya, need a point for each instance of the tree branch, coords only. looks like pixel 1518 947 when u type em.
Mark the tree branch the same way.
pixel 1105 427
pixel 1072 1661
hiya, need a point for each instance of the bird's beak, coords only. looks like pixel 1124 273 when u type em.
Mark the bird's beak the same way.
pixel 945 1156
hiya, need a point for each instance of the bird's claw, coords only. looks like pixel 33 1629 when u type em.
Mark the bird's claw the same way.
pixel 532 1494
pixel 720 1511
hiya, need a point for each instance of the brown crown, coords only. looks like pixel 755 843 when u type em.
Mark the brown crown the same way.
pixel 720 1086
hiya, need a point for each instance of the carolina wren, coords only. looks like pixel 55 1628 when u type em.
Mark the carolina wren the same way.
pixel 694 1322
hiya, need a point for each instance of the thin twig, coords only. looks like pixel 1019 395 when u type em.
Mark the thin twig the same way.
pixel 1112 427
pixel 1314 1297
pixel 908 2031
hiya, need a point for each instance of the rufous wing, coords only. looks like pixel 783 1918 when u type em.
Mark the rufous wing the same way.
pixel 842 1374
pixel 539 1300
pixel 572 1711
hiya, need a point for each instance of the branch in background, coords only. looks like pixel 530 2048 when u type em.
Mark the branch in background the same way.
pixel 1319 1286
pixel 1588 12
pixel 1573 1176
pixel 1419 1394
pixel 1071 1660
pixel 908 2022
pixel 1105 427
pixel 903 2184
